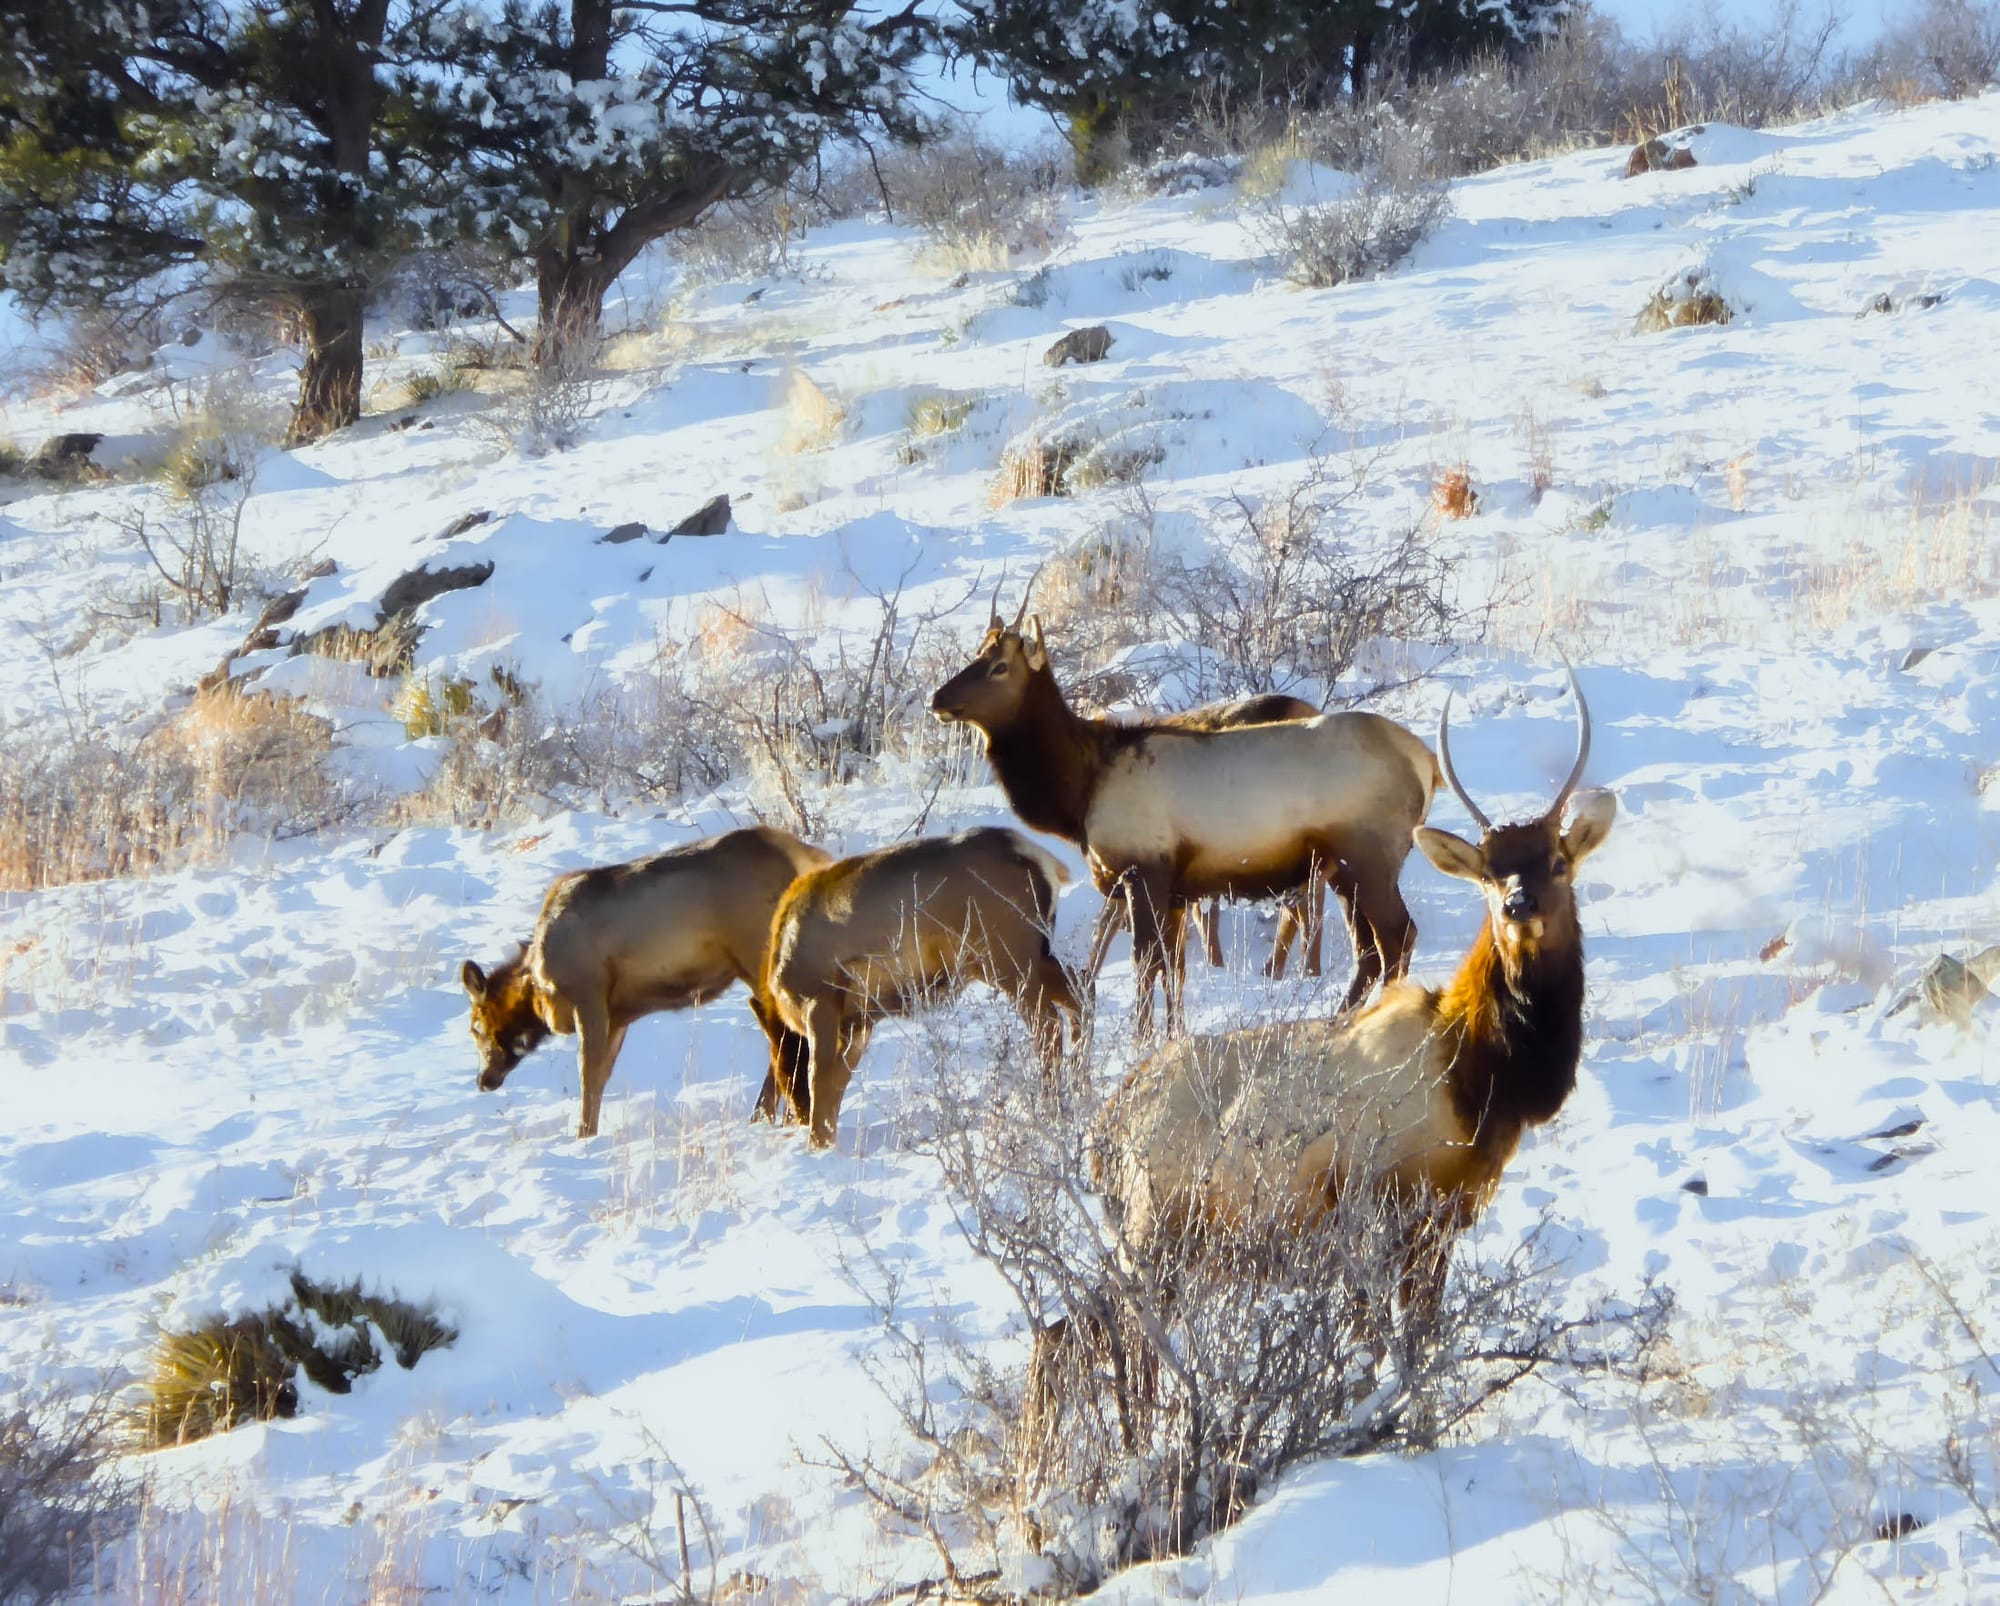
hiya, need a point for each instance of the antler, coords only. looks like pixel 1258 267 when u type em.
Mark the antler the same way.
pixel 1582 739
pixel 997 584
pixel 1451 775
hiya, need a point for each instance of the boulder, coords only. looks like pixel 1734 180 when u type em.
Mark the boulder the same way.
pixel 66 457
pixel 711 518
pixel 1079 345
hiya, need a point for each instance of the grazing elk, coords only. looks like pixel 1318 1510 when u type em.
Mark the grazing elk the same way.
pixel 625 940
pixel 885 932
pixel 1425 1091
pixel 1171 815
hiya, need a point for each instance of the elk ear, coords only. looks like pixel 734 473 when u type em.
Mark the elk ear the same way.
pixel 1452 854
pixel 474 979
pixel 1037 654
pixel 1590 815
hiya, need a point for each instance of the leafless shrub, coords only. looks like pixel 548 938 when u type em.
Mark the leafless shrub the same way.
pixel 808 712
pixel 1285 598
pixel 754 237
pixel 978 206
pixel 1958 44
pixel 1167 1385
pixel 194 541
pixel 1392 207
pixel 97 342
pixel 100 804
pixel 440 289
pixel 559 389
pixel 62 1500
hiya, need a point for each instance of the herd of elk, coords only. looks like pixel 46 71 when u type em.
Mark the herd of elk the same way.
pixel 1421 1094
pixel 1166 815
pixel 1424 1092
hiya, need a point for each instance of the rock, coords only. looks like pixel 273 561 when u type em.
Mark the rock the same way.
pixel 410 591
pixel 1079 345
pixel 1660 154
pixel 1912 658
pixel 464 522
pixel 711 518
pixel 625 532
pixel 66 457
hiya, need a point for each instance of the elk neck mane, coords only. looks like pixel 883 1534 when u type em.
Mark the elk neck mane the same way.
pixel 1517 1037
pixel 1048 758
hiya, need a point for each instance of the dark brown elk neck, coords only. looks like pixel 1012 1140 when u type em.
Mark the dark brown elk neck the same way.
pixel 1047 759
pixel 1519 1034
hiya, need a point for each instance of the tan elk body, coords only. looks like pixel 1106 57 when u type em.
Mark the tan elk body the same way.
pixel 626 940
pixel 1425 1091
pixel 885 932
pixel 1168 815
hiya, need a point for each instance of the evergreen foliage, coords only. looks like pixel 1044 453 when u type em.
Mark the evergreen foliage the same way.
pixel 1122 74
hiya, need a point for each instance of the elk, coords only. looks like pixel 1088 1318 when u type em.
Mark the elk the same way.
pixel 1265 708
pixel 626 940
pixel 1168 815
pixel 1425 1091
pixel 885 932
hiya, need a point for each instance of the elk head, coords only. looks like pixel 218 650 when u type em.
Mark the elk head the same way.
pixel 989 691
pixel 1526 870
pixel 505 1027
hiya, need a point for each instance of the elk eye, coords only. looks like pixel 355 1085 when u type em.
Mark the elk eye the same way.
pixel 999 668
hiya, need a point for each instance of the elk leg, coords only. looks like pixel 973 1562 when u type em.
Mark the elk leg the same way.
pixel 1384 934
pixel 598 1043
pixel 829 1073
pixel 1111 920
pixel 786 1073
pixel 1208 920
pixel 1313 916
pixel 1148 896
pixel 1281 941
pixel 1044 995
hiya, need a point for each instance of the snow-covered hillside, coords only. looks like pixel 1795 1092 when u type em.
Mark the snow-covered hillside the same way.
pixel 1771 548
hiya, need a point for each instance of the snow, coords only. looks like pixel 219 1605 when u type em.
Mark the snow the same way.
pixel 1769 548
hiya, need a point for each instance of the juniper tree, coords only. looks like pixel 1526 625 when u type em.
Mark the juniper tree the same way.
pixel 578 133
pixel 245 139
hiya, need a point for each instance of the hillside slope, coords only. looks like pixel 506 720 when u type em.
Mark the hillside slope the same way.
pixel 1770 548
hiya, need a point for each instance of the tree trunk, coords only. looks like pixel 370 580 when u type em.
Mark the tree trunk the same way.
pixel 569 300
pixel 330 381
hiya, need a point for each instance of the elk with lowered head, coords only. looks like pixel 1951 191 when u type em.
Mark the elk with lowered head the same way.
pixel 626 940
pixel 1169 815
pixel 1425 1092
pixel 887 932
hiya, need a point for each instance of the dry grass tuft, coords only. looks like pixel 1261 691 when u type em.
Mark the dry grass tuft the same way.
pixel 1687 299
pixel 1033 468
pixel 227 765
pixel 813 416
pixel 244 1368
pixel 1453 495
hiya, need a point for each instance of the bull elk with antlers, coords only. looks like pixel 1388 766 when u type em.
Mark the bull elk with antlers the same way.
pixel 1168 815
pixel 1425 1091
